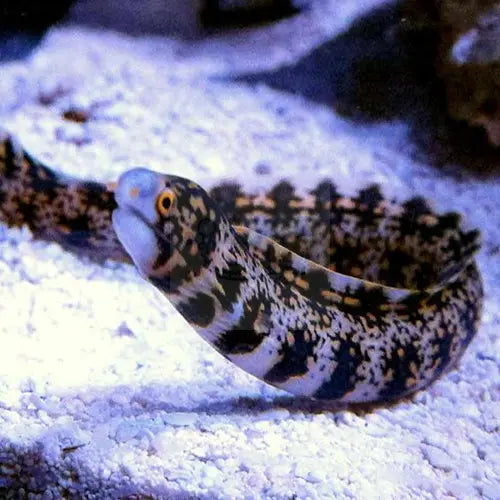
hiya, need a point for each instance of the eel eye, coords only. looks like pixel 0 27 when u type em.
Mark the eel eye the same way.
pixel 164 202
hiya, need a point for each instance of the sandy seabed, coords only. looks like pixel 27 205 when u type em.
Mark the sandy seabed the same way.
pixel 105 392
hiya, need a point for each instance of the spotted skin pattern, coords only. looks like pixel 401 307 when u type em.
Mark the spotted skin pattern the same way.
pixel 55 207
pixel 350 299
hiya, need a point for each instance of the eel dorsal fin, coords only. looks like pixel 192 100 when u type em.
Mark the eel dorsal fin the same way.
pixel 347 293
pixel 329 288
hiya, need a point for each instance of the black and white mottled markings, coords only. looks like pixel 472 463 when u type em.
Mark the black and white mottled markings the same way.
pixel 351 299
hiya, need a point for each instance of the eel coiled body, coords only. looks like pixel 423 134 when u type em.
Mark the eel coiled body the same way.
pixel 349 299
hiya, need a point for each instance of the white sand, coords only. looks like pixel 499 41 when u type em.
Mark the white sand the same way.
pixel 105 392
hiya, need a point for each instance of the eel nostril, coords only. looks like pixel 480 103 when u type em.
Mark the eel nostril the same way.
pixel 133 192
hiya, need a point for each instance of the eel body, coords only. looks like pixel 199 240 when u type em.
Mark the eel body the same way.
pixel 349 299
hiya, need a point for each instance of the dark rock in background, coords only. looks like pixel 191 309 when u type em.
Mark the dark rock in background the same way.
pixel 468 59
pixel 23 23
pixel 383 68
pixel 31 15
pixel 225 13
pixel 187 17
pixel 470 63
pixel 140 17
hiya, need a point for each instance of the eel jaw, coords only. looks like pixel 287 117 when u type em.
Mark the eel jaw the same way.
pixel 137 237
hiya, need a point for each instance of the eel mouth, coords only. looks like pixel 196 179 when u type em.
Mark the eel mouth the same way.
pixel 138 237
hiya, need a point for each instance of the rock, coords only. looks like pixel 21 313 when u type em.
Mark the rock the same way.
pixel 221 13
pixel 126 431
pixel 149 16
pixel 469 61
pixel 28 15
pixel 461 488
pixel 437 458
pixel 180 419
pixel 490 491
pixel 186 18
